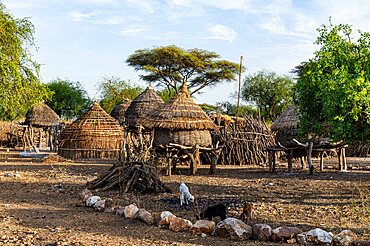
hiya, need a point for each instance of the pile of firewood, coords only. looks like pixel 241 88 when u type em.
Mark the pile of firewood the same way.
pixel 243 141
pixel 131 177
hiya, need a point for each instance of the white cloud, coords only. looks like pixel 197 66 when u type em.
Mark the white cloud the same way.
pixel 223 33
pixel 147 5
pixel 131 32
pixel 275 25
pixel 113 20
pixel 79 16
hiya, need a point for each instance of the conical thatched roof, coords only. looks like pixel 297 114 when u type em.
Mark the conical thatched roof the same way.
pixel 95 134
pixel 41 115
pixel 179 113
pixel 142 105
pixel 287 120
pixel 119 110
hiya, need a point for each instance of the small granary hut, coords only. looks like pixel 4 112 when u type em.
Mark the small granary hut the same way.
pixel 141 106
pixel 287 127
pixel 119 110
pixel 95 134
pixel 42 116
pixel 180 121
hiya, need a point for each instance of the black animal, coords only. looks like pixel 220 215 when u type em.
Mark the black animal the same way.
pixel 214 211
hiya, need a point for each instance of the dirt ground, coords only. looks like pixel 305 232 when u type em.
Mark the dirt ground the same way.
pixel 38 202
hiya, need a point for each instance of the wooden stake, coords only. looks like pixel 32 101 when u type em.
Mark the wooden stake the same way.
pixel 290 157
pixel 309 158
pixel 322 161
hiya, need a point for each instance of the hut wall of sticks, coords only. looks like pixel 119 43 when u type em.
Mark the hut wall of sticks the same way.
pixel 243 140
pixel 95 134
pixel 41 128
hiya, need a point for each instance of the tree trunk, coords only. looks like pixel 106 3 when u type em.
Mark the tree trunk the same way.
pixel 309 159
pixel 290 164
pixel 322 161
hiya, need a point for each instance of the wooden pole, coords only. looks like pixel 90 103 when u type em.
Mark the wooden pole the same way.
pixel 340 159
pixel 309 157
pixel 290 164
pixel 322 161
pixel 273 161
pixel 240 78
pixel 344 162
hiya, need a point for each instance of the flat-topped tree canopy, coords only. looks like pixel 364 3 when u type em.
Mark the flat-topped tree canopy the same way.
pixel 141 106
pixel 95 134
pixel 41 115
pixel 181 121
pixel 119 110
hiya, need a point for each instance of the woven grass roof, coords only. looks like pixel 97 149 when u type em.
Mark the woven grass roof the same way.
pixel 287 120
pixel 119 110
pixel 144 103
pixel 94 134
pixel 41 115
pixel 179 113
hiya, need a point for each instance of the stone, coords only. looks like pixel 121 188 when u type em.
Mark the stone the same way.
pixel 92 200
pixel 202 226
pixel 262 232
pixel 85 194
pixel 165 218
pixel 281 234
pixel 345 238
pixel 145 216
pixel 315 237
pixel 119 210
pixel 179 224
pixel 99 205
pixel 131 210
pixel 290 241
pixel 233 228
pixel 361 243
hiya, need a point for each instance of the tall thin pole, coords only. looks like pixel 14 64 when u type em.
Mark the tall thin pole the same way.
pixel 240 78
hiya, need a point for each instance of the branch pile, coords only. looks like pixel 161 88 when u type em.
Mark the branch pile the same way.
pixel 243 141
pixel 131 177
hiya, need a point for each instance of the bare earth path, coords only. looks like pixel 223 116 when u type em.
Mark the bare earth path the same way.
pixel 38 203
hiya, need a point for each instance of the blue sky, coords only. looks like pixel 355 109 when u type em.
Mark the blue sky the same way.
pixel 85 40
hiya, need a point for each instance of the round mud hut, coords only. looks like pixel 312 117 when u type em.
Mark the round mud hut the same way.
pixel 287 127
pixel 42 116
pixel 180 121
pixel 119 110
pixel 141 106
pixel 94 135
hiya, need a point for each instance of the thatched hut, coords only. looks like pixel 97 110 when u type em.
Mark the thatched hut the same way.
pixel 287 127
pixel 180 121
pixel 95 134
pixel 141 106
pixel 42 116
pixel 119 110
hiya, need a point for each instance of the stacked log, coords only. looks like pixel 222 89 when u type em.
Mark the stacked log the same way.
pixel 132 177
pixel 243 140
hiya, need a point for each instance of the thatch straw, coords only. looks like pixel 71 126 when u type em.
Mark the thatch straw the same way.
pixel 141 106
pixel 179 113
pixel 288 120
pixel 95 134
pixel 41 115
pixel 119 110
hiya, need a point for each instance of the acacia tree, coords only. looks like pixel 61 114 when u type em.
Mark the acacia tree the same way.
pixel 113 90
pixel 69 100
pixel 268 91
pixel 19 75
pixel 170 66
pixel 332 90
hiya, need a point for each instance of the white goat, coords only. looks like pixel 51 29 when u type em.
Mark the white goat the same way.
pixel 185 196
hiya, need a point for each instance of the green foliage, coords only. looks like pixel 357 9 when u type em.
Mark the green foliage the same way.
pixel 231 109
pixel 210 109
pixel 19 75
pixel 166 94
pixel 170 66
pixel 332 91
pixel 268 91
pixel 114 90
pixel 70 99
